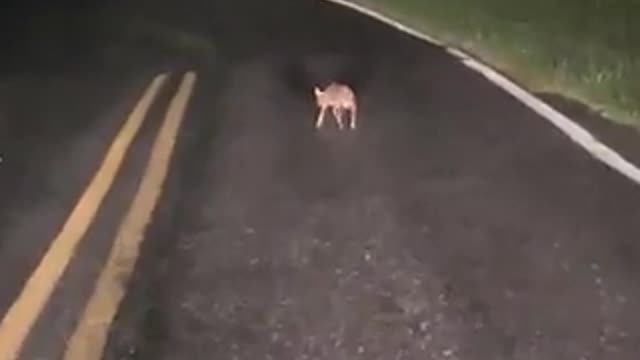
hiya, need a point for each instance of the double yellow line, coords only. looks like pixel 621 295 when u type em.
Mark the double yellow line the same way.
pixel 89 337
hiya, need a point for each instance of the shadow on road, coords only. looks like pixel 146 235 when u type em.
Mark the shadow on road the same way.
pixel 454 224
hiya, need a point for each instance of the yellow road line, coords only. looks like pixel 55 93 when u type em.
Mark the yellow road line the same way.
pixel 22 314
pixel 90 335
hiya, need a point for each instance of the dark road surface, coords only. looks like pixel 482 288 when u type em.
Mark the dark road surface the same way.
pixel 54 132
pixel 453 224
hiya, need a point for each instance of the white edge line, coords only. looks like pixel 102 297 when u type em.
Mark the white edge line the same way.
pixel 573 130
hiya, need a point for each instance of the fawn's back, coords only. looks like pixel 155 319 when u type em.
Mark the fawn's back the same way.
pixel 336 95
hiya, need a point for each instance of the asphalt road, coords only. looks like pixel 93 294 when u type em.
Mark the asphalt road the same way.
pixel 453 224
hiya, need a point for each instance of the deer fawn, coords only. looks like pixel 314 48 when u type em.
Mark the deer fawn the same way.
pixel 340 98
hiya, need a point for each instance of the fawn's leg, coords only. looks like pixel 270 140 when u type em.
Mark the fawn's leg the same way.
pixel 337 113
pixel 320 119
pixel 354 111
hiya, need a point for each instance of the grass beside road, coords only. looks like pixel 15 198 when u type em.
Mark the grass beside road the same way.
pixel 587 50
